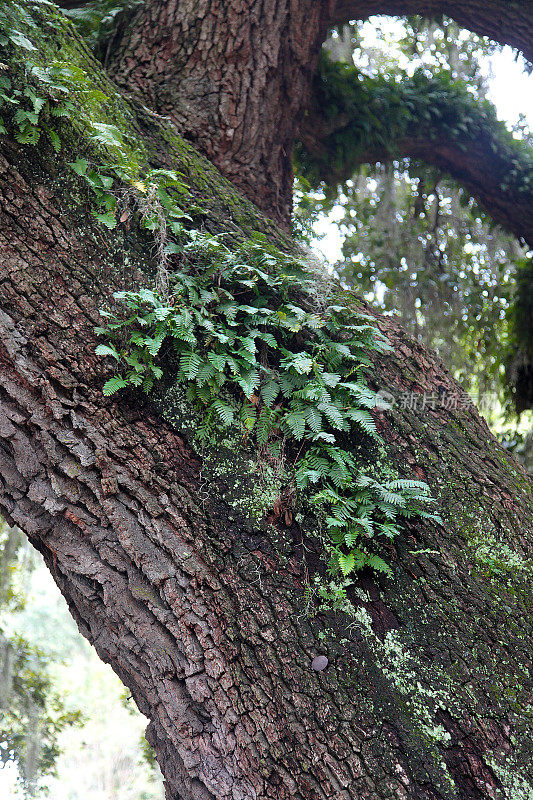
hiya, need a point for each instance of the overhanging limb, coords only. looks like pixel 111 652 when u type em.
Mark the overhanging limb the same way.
pixel 355 119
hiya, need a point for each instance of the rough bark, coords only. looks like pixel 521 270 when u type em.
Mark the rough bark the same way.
pixel 201 613
pixel 234 78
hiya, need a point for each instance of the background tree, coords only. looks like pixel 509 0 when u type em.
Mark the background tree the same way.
pixel 33 714
pixel 192 566
pixel 415 241
pixel 95 751
pixel 416 113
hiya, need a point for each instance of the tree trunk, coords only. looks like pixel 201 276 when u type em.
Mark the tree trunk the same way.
pixel 201 613
pixel 198 608
pixel 234 78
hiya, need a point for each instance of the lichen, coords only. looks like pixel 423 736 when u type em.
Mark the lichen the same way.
pixel 405 670
pixel 515 786
pixel 505 570
pixel 228 461
pixel 420 692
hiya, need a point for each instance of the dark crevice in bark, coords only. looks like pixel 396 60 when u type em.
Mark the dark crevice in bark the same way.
pixel 384 619
pixel 465 762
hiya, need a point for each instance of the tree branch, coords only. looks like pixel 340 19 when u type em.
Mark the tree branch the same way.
pixel 506 22
pixel 355 119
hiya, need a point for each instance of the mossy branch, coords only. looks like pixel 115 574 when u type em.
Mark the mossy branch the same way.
pixel 506 21
pixel 356 119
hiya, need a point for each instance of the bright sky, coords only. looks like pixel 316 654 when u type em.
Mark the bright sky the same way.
pixel 511 88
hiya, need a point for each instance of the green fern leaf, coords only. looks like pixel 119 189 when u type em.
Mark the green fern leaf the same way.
pixel 205 372
pixel 313 418
pixel 218 361
pixel 248 381
pixel 113 385
pixel 333 415
pixel 190 364
pixel 346 563
pixel 224 411
pixel 377 563
pixel 269 392
pixel 107 350
pixel 296 424
pixel 365 421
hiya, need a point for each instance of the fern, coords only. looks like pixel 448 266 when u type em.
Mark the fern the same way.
pixel 224 411
pixel 252 347
pixel 113 385
pixel 269 392
pixel 190 363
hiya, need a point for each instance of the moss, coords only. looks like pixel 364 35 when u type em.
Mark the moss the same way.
pixel 228 461
pixel 506 572
pixel 60 55
pixel 425 668
pixel 225 208
pixel 57 44
pixel 515 787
